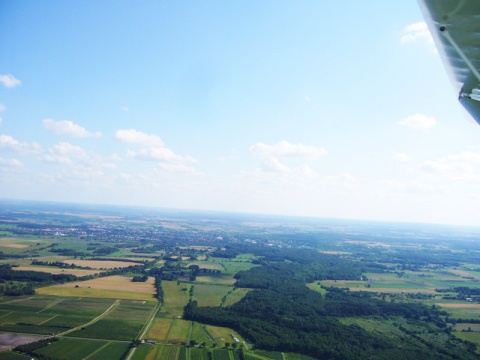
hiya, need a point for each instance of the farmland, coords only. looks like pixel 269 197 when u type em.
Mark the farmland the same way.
pixel 104 264
pixel 96 280
pixel 113 287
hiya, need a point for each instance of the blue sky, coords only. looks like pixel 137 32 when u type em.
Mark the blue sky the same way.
pixel 309 108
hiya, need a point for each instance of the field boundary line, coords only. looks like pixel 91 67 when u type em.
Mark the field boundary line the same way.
pixel 105 313
pixel 96 351
pixel 130 354
pixel 150 320
pixel 208 334
pixel 189 335
pixel 43 322
pixel 258 356
pixel 52 304
pixel 7 314
pixel 169 330
pixel 17 300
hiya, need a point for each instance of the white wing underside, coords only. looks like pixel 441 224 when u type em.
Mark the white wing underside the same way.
pixel 455 27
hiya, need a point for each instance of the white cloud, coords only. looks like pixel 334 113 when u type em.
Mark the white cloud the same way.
pixel 307 98
pixel 140 138
pixel 402 157
pixel 416 32
pixel 152 148
pixel 272 164
pixel 285 149
pixel 9 81
pixel 159 154
pixel 463 166
pixel 65 153
pixel 8 142
pixel 77 166
pixel 418 121
pixel 3 107
pixel 68 128
pixel 1 120
pixel 124 108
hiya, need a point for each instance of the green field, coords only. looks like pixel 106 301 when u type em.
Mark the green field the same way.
pixel 316 286
pixel 236 295
pixel 123 323
pixel 175 299
pixel 48 315
pixel 473 337
pixel 210 295
pixel 178 332
pixel 223 335
pixel 199 334
pixel 74 349
pixel 10 355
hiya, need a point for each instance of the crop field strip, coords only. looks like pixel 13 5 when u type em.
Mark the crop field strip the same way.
pixel 123 322
pixel 101 264
pixel 148 324
pixel 55 270
pixel 179 331
pixel 31 319
pixel 52 304
pixel 160 329
pixel 99 317
pixel 111 287
pixel 84 349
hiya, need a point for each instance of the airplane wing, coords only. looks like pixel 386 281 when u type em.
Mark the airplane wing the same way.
pixel 455 27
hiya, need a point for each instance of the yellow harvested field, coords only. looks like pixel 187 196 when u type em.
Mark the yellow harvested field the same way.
pixel 14 243
pixel 116 282
pixel 464 274
pixel 184 258
pixel 54 270
pixel 100 264
pixel 112 287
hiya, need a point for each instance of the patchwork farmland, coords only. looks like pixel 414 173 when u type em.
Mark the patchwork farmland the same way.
pixel 146 290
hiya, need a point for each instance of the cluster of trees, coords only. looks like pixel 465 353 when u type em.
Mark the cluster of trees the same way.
pixel 58 264
pixel 17 289
pixel 282 314
pixel 158 288
pixel 31 347
pixel 7 273
pixel 140 278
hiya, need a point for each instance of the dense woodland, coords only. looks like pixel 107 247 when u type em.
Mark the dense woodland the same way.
pixel 282 314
